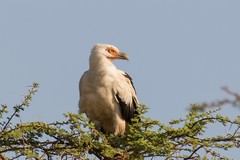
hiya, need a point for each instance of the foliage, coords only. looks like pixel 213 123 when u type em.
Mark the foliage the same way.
pixel 76 137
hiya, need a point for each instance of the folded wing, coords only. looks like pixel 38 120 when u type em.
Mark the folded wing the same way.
pixel 125 95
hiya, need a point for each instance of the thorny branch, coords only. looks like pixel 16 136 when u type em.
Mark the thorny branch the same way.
pixel 234 102
pixel 76 138
pixel 25 102
pixel 192 154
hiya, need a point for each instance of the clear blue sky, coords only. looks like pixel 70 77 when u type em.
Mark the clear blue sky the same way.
pixel 181 52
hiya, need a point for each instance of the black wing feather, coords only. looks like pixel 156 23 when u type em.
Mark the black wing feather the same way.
pixel 130 79
pixel 126 110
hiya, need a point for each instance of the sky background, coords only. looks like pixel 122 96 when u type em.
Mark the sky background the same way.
pixel 181 52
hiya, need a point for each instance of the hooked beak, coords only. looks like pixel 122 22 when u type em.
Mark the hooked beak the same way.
pixel 123 56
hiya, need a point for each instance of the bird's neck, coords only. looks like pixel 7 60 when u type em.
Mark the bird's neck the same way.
pixel 98 66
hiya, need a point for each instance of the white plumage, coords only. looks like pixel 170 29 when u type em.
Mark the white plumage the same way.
pixel 107 95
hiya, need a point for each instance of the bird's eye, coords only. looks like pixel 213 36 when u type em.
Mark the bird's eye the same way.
pixel 112 51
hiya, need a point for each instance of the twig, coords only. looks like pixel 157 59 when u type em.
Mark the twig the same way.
pixel 190 156
pixel 15 112
pixel 227 90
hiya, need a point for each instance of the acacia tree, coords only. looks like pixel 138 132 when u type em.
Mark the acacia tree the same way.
pixel 76 138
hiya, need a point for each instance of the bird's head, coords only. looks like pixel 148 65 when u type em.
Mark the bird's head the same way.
pixel 109 51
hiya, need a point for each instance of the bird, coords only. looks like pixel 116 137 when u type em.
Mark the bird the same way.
pixel 107 95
